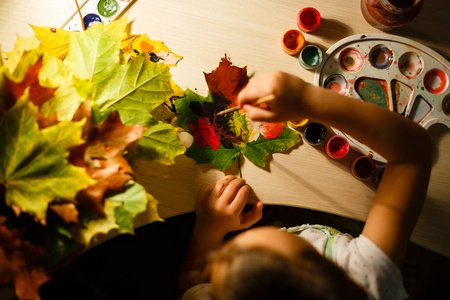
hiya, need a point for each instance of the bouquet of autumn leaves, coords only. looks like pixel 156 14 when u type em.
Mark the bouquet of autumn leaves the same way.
pixel 71 108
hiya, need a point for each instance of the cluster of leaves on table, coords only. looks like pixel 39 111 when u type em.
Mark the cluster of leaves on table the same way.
pixel 74 107
pixel 71 106
pixel 223 139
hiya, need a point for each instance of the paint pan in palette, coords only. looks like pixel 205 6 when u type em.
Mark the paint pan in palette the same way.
pixel 393 72
pixel 97 11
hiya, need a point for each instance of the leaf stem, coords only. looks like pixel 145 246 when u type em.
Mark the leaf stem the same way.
pixel 239 164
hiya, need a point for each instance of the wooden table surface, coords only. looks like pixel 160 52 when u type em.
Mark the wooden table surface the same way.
pixel 250 33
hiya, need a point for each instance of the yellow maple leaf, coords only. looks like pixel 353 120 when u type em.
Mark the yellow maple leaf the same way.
pixel 150 215
pixel 177 91
pixel 55 41
pixel 156 51
pixel 118 27
pixel 21 45
pixel 127 42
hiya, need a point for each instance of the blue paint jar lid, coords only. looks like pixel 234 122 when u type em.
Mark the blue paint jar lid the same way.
pixel 91 19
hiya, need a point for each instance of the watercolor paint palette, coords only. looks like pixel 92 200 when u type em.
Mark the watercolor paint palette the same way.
pixel 97 11
pixel 390 71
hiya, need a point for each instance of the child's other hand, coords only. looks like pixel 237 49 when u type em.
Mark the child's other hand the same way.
pixel 289 103
pixel 219 209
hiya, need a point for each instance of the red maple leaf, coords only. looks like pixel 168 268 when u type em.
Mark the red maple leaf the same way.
pixel 271 130
pixel 204 134
pixel 226 81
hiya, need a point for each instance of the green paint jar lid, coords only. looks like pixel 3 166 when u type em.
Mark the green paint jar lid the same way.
pixel 310 57
pixel 107 8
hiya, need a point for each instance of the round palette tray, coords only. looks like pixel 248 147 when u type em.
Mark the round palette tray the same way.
pixel 390 71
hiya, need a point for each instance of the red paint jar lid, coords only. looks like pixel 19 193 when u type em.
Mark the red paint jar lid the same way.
pixel 293 41
pixel 308 19
pixel 337 147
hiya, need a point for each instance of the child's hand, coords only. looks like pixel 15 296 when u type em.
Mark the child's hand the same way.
pixel 219 209
pixel 289 103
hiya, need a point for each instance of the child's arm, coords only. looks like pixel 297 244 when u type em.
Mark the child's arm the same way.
pixel 218 211
pixel 406 146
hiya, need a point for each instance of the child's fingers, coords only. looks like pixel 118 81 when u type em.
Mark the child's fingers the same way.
pixel 219 186
pixel 257 113
pixel 258 88
pixel 240 199
pixel 253 216
pixel 231 190
pixel 248 95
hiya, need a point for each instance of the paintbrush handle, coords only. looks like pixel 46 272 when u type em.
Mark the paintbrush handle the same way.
pixel 257 102
pixel 264 99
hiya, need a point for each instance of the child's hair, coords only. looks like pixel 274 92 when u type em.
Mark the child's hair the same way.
pixel 258 273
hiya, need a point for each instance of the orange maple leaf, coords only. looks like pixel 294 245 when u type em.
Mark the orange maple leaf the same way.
pixel 38 94
pixel 18 262
pixel 102 156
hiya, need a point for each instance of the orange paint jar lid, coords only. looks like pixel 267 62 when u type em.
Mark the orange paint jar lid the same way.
pixel 293 41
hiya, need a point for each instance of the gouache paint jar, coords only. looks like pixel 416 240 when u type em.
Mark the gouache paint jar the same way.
pixel 363 167
pixel 293 41
pixel 310 57
pixel 388 14
pixel 376 178
pixel 308 19
pixel 315 134
pixel 337 147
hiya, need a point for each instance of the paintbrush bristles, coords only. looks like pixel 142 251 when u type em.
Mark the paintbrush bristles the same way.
pixel 257 102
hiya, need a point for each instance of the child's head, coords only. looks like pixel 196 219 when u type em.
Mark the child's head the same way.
pixel 266 263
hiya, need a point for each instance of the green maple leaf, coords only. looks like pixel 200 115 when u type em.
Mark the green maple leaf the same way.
pixel 257 151
pixel 33 164
pixel 137 99
pixel 70 93
pixel 134 89
pixel 222 157
pixel 135 112
pixel 97 225
pixel 137 86
pixel 94 53
pixel 161 143
pixel 58 241
pixel 129 203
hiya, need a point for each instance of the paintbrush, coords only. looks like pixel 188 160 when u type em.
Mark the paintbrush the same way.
pixel 257 102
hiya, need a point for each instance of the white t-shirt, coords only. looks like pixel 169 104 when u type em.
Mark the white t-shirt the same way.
pixel 363 261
